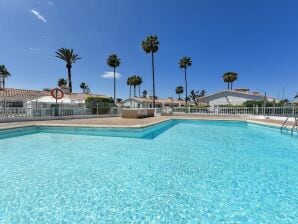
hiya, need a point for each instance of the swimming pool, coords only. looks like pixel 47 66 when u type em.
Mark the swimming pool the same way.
pixel 180 171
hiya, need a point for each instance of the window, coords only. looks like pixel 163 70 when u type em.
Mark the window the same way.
pixel 11 103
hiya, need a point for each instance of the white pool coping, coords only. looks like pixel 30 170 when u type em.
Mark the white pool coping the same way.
pixel 139 125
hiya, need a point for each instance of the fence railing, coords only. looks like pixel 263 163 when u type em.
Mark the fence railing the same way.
pixel 239 111
pixel 10 113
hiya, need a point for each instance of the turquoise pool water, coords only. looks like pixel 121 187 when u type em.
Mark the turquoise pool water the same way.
pixel 176 172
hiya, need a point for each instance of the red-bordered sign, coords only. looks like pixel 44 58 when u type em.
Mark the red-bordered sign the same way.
pixel 57 93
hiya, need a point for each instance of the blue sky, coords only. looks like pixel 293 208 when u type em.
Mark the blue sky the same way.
pixel 256 38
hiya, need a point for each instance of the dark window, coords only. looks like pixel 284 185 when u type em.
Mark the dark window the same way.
pixel 12 103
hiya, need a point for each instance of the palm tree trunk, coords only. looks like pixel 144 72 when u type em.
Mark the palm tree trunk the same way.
pixel 153 78
pixel 139 90
pixel 228 85
pixel 69 78
pixel 129 90
pixel 134 91
pixel 114 85
pixel 179 96
pixel 3 83
pixel 185 86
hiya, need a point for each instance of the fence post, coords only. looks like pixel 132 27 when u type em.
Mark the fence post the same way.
pixel 97 108
pixel 188 109
pixel 4 107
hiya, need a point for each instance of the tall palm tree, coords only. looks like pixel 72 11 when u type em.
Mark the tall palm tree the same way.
pixel 4 73
pixel 230 77
pixel 114 62
pixel 139 82
pixel 150 45
pixel 184 63
pixel 62 83
pixel 69 57
pixel 179 90
pixel 226 78
pixel 134 82
pixel 233 78
pixel 129 83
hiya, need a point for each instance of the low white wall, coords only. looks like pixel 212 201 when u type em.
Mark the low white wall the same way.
pixel 20 119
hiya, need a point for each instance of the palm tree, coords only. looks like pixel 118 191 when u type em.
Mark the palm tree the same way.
pixel 4 73
pixel 230 77
pixel 139 82
pixel 233 78
pixel 83 86
pixel 179 90
pixel 226 78
pixel 129 83
pixel 150 45
pixel 184 63
pixel 69 57
pixel 62 83
pixel 114 62
pixel 134 82
pixel 145 94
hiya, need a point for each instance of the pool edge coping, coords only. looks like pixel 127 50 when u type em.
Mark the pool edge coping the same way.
pixel 139 126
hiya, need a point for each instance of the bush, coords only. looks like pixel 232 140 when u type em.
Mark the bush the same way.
pixel 254 103
pixel 100 104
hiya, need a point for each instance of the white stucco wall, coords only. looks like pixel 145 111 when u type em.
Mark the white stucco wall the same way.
pixel 230 98
pixel 132 104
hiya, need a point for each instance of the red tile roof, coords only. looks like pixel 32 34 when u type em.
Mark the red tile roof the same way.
pixel 35 94
pixel 23 93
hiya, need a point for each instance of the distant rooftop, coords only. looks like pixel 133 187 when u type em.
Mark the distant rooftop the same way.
pixel 149 100
pixel 35 94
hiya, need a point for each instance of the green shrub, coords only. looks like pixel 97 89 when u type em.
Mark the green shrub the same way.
pixel 100 105
pixel 254 103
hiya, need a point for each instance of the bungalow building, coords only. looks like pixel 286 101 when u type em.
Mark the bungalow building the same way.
pixel 232 97
pixel 25 98
pixel 138 102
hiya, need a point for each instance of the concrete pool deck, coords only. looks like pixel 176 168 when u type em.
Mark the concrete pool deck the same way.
pixel 130 123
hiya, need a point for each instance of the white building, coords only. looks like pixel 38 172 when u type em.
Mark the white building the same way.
pixel 232 97
pixel 138 102
pixel 25 98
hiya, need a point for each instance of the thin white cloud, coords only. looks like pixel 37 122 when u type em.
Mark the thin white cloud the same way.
pixel 34 49
pixel 110 75
pixel 51 3
pixel 38 15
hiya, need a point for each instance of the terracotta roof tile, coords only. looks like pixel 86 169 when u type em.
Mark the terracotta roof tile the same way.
pixel 34 94
pixel 23 93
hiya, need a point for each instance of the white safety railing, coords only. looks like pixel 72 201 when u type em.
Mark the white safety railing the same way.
pixel 238 111
pixel 11 113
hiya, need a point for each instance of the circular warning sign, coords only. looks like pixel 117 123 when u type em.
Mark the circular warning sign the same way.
pixel 57 93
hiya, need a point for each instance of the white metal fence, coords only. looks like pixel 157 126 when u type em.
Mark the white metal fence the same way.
pixel 239 111
pixel 11 113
